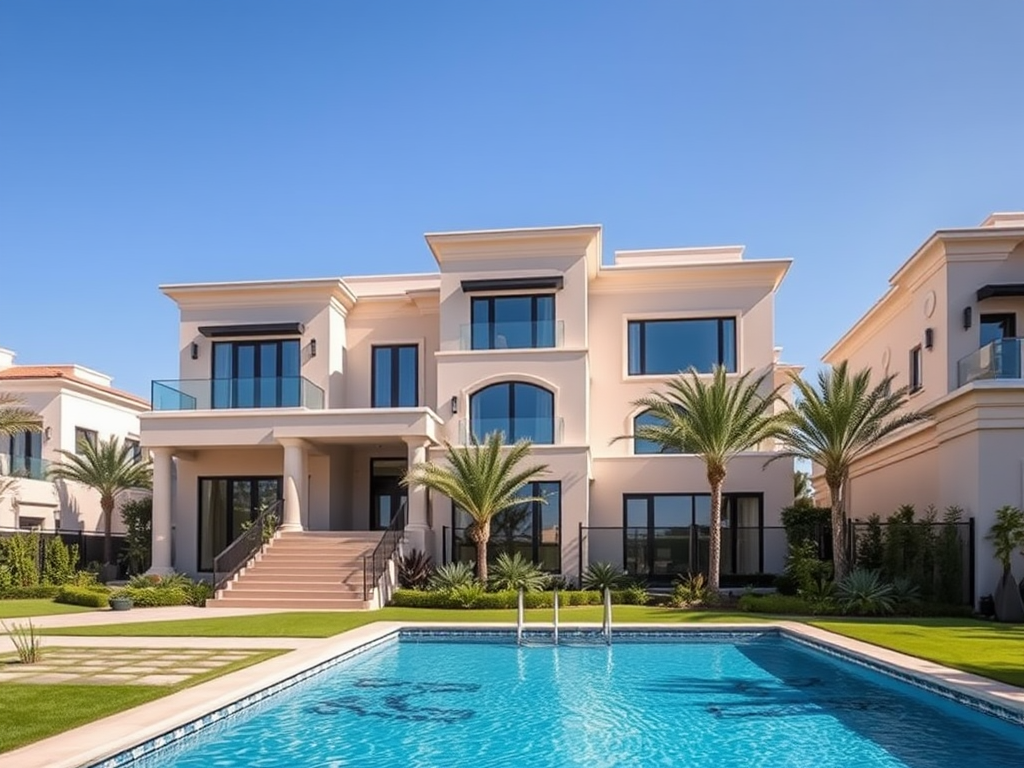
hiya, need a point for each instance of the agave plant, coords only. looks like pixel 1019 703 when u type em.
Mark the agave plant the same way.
pixel 452 576
pixel 602 576
pixel 414 569
pixel 516 572
pixel 905 592
pixel 864 592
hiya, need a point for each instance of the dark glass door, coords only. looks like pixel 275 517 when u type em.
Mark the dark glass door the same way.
pixel 1005 357
pixel 226 504
pixel 386 492
pixel 256 374
pixel 666 535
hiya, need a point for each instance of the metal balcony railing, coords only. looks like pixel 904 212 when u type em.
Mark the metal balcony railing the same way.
pixel 540 334
pixel 999 360
pixel 541 431
pixel 28 467
pixel 262 392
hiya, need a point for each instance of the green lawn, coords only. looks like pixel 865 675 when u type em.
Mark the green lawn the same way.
pixel 14 609
pixel 326 624
pixel 980 647
pixel 35 711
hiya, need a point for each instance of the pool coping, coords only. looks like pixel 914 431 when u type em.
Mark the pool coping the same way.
pixel 162 721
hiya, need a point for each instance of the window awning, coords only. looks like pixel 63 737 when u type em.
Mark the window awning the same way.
pixel 553 283
pixel 999 290
pixel 252 329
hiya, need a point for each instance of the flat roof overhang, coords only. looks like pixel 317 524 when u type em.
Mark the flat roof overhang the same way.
pixel 1000 290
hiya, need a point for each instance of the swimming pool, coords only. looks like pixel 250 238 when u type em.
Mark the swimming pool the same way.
pixel 747 699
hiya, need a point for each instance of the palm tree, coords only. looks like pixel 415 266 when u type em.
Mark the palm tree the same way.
pixel 14 418
pixel 109 467
pixel 803 490
pixel 483 480
pixel 837 422
pixel 715 420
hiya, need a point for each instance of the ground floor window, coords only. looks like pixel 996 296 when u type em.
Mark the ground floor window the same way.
pixel 667 534
pixel 225 505
pixel 533 529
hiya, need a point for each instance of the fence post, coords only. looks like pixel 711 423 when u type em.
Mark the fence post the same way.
pixel 579 556
pixel 970 560
pixel 444 545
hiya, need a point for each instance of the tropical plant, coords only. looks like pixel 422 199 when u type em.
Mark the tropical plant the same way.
pixel 451 576
pixel 602 576
pixel 26 642
pixel 19 558
pixel 803 490
pixel 804 568
pixel 834 424
pixel 467 595
pixel 414 569
pixel 1006 535
pixel 819 595
pixel 481 479
pixel 871 545
pixel 515 572
pixel 864 592
pixel 905 592
pixel 691 591
pixel 715 420
pixel 110 467
pixel 137 515
pixel 636 594
pixel 59 562
pixel 15 418
pixel 949 557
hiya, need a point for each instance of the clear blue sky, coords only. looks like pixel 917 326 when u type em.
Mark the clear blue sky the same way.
pixel 152 142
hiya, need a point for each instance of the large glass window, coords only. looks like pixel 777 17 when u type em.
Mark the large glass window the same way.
pixel 396 376
pixel 225 505
pixel 387 494
pixel 135 448
pixel 916 369
pixel 532 529
pixel 671 346
pixel 519 410
pixel 25 451
pixel 256 374
pixel 649 446
pixel 513 322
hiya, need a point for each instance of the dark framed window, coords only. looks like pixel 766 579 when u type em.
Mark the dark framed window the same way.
pixel 135 447
pixel 669 346
pixel 226 504
pixel 83 435
pixel 256 374
pixel 387 494
pixel 533 529
pixel 517 409
pixel 916 369
pixel 25 453
pixel 395 376
pixel 640 445
pixel 993 327
pixel 513 322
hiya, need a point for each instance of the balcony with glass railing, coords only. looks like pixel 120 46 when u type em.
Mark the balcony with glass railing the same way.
pixel 999 360
pixel 542 431
pixel 214 394
pixel 539 334
pixel 28 467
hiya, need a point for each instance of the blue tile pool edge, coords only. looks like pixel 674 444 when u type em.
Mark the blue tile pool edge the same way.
pixel 922 680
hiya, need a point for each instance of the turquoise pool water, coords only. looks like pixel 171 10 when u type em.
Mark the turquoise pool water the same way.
pixel 751 701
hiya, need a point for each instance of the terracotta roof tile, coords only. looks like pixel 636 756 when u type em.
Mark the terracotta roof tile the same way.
pixel 17 372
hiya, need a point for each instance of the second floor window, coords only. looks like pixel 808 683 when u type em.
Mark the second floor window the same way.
pixel 519 410
pixel 648 446
pixel 256 374
pixel 396 376
pixel 513 322
pixel 83 436
pixel 659 347
pixel 136 450
pixel 25 450
pixel 916 369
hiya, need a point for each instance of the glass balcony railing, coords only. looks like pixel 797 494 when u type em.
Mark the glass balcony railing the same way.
pixel 999 360
pixel 542 334
pixel 263 392
pixel 29 467
pixel 538 431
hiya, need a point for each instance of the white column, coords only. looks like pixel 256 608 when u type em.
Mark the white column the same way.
pixel 161 512
pixel 294 485
pixel 416 525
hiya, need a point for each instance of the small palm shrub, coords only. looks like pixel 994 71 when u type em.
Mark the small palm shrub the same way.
pixel 414 569
pixel 692 591
pixel 905 592
pixel 820 596
pixel 26 642
pixel 634 594
pixel 451 576
pixel 515 572
pixel 602 576
pixel 865 593
pixel 467 595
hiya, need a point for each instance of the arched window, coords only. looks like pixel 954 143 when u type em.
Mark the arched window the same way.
pixel 648 446
pixel 520 410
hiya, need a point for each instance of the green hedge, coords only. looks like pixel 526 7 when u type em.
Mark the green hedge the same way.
pixel 411 598
pixel 41 592
pixel 155 597
pixel 784 604
pixel 90 598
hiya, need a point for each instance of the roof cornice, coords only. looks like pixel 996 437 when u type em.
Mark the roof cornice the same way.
pixel 260 292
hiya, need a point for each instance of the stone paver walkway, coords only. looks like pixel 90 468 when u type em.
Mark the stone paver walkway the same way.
pixel 120 666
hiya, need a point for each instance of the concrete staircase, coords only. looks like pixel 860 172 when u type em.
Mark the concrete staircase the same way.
pixel 303 570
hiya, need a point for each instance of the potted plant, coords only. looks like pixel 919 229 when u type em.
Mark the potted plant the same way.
pixel 119 601
pixel 1007 535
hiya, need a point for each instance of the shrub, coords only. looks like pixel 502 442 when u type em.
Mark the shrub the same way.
pixel 154 597
pixel 820 596
pixel 870 545
pixel 411 598
pixel 195 592
pixel 905 592
pixel 19 556
pixel 467 595
pixel 40 592
pixel 634 594
pixel 199 593
pixel 602 576
pixel 90 598
pixel 451 576
pixel 691 591
pixel 59 562
pixel 414 569
pixel 515 572
pixel 804 567
pixel 949 558
pixel 786 605
pixel 557 581
pixel 26 641
pixel 137 515
pixel 786 584
pixel 804 523
pixel 865 593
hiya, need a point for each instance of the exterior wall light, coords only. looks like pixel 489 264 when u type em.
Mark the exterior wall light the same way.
pixel 195 351
pixel 312 347
pixel 455 404
pixel 929 338
pixel 967 318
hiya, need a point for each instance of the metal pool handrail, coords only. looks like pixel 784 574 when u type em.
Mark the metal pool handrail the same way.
pixel 606 625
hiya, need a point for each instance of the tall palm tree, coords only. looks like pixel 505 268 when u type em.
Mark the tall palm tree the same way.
pixel 483 480
pixel 109 467
pixel 714 419
pixel 803 489
pixel 835 423
pixel 15 418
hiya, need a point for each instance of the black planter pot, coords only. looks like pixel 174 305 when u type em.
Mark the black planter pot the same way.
pixel 987 607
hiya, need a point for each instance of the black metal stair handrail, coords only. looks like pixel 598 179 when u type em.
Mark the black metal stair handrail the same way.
pixel 240 551
pixel 376 562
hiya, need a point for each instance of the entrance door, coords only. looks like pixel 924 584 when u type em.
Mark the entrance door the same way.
pixel 256 374
pixel 226 504
pixel 665 534
pixel 386 492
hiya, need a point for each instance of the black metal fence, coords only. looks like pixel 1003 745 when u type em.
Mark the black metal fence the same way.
pixel 89 544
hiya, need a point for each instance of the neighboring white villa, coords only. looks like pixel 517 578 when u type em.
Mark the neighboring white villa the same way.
pixel 74 403
pixel 950 328
pixel 322 392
